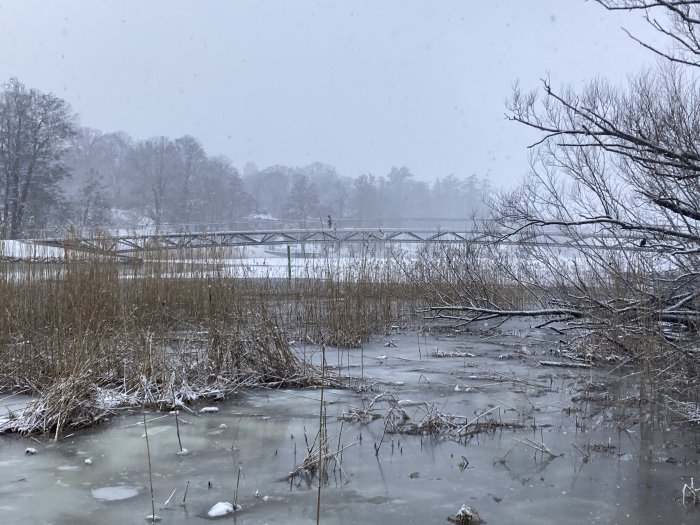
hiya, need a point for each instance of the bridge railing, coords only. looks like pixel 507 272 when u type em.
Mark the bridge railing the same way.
pixel 253 224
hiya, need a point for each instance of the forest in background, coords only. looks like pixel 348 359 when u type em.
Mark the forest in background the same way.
pixel 56 174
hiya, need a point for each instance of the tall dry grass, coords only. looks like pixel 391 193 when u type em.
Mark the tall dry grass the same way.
pixel 182 320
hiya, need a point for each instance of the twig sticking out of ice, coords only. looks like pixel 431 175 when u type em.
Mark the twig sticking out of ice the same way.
pixel 567 364
pixel 691 495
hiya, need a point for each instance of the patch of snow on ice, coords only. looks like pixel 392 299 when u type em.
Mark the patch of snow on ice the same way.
pixel 108 399
pixel 221 509
pixel 115 493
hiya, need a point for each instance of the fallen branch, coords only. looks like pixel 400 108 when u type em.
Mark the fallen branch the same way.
pixel 562 364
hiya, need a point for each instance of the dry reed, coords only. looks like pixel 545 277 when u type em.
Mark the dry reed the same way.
pixel 94 333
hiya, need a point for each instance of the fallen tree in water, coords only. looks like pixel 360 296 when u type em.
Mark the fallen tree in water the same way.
pixel 604 234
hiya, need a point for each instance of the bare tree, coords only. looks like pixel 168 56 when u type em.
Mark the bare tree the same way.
pixel 92 205
pixel 191 159
pixel 34 132
pixel 155 161
pixel 302 202
pixel 604 235
pixel 333 190
pixel 220 194
pixel 365 198
pixel 270 189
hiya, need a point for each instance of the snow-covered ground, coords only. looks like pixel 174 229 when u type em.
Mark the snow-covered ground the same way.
pixel 26 251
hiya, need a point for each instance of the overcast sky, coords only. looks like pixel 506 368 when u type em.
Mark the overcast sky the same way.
pixel 362 85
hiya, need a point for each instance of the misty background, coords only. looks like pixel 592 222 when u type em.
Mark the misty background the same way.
pixel 215 111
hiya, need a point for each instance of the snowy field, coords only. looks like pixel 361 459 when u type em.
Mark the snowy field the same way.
pixel 25 251
pixel 305 262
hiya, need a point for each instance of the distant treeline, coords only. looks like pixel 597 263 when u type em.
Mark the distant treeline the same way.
pixel 175 181
pixel 55 173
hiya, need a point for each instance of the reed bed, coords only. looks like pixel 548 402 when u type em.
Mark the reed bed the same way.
pixel 94 333
pixel 426 419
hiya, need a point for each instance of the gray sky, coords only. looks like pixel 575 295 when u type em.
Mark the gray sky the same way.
pixel 361 85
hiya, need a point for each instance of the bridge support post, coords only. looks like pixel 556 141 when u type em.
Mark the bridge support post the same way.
pixel 289 263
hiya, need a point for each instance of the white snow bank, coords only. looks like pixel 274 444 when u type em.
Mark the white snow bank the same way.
pixel 19 250
pixel 108 399
pixel 221 509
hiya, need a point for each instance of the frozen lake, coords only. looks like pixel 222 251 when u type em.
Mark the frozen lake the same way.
pixel 609 464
